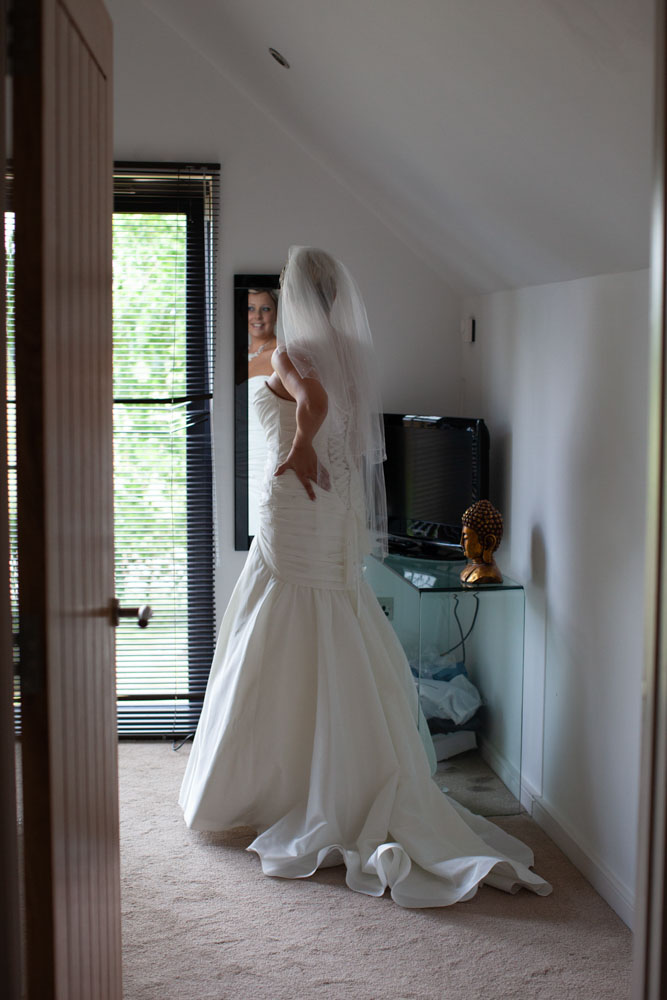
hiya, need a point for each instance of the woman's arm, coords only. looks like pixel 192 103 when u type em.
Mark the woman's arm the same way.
pixel 311 409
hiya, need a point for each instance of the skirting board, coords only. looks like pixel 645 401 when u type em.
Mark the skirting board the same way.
pixel 499 764
pixel 620 898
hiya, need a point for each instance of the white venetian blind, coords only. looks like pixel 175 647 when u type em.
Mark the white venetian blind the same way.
pixel 164 244
pixel 10 254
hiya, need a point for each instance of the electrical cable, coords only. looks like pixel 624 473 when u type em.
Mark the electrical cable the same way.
pixel 177 746
pixel 463 638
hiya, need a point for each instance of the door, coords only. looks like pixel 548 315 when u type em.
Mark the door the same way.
pixel 63 203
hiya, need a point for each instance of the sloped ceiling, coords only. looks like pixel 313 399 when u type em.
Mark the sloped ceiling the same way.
pixel 506 141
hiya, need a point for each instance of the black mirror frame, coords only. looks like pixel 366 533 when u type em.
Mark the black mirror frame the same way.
pixel 242 282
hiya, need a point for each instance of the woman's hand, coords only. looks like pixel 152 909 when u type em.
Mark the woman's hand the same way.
pixel 302 460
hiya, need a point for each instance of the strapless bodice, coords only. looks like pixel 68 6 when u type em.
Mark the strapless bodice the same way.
pixel 317 542
pixel 278 419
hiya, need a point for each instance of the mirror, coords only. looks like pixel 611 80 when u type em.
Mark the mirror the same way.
pixel 255 312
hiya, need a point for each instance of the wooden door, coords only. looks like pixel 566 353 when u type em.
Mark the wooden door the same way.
pixel 63 200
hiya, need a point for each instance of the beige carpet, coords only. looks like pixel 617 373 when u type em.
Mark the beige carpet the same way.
pixel 201 921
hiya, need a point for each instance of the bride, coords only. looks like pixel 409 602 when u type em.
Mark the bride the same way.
pixel 308 731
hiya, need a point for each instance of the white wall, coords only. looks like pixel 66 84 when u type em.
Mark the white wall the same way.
pixel 560 372
pixel 171 104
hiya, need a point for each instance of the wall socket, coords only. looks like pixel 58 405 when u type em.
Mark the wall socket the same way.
pixel 387 605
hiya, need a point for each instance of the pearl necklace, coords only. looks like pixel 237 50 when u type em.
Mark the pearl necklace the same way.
pixel 255 354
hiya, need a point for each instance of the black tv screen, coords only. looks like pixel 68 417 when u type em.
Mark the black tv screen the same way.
pixel 436 468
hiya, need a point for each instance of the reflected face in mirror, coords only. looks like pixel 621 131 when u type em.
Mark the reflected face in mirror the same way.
pixel 262 315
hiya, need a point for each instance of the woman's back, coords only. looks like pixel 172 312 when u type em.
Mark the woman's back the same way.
pixel 319 541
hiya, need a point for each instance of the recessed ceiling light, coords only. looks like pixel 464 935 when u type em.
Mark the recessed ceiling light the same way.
pixel 279 58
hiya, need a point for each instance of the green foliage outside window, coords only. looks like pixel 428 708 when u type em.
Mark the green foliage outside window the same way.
pixel 150 517
pixel 149 296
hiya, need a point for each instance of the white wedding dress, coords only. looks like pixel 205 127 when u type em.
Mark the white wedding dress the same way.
pixel 308 734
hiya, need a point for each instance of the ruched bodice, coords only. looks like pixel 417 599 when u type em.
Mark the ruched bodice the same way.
pixel 319 543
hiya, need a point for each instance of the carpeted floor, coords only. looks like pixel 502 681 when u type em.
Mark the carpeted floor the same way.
pixel 201 921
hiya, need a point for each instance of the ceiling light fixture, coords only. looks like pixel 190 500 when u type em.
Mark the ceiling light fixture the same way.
pixel 279 58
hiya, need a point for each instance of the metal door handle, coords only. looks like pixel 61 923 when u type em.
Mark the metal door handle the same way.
pixel 142 614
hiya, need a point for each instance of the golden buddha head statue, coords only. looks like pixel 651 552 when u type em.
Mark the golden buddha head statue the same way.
pixel 482 531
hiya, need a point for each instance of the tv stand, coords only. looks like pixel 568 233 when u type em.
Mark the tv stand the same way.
pixel 430 609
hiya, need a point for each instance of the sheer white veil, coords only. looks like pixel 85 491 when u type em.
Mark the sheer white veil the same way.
pixel 322 324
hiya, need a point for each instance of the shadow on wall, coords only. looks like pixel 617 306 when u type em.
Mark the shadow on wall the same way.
pixel 594 629
pixel 500 478
pixel 535 661
pixel 538 558
pixel 571 634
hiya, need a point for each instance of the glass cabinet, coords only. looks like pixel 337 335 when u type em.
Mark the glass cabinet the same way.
pixel 449 630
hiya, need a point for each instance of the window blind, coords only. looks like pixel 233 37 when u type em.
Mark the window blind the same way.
pixel 11 443
pixel 165 241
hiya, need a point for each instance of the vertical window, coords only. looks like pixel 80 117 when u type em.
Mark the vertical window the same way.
pixel 11 442
pixel 165 222
pixel 164 306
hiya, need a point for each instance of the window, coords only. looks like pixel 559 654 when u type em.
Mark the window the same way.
pixel 165 221
pixel 164 309
pixel 10 256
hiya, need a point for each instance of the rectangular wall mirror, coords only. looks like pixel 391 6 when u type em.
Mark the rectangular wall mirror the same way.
pixel 255 312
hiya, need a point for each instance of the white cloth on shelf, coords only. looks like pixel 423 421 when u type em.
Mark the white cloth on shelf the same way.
pixel 457 699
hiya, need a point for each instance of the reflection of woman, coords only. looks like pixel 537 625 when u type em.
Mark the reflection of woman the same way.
pixel 262 312
pixel 308 731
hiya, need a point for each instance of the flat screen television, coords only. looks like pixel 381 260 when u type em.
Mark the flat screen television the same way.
pixel 436 468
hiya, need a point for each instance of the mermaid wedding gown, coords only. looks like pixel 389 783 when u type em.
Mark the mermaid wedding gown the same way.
pixel 307 733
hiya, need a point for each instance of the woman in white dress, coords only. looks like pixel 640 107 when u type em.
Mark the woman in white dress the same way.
pixel 308 731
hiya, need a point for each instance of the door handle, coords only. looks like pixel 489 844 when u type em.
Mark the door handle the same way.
pixel 142 614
